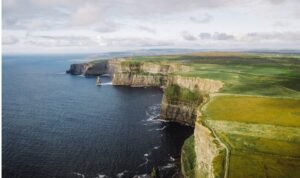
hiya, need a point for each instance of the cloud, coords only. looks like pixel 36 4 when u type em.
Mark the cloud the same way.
pixel 108 27
pixel 253 37
pixel 187 36
pixel 277 1
pixel 280 24
pixel 222 36
pixel 9 40
pixel 93 41
pixel 135 42
pixel 88 14
pixel 216 36
pixel 205 36
pixel 148 22
pixel 147 29
pixel 206 18
pixel 60 41
pixel 275 36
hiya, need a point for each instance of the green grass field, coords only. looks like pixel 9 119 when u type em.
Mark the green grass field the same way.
pixel 263 134
pixel 266 74
pixel 253 109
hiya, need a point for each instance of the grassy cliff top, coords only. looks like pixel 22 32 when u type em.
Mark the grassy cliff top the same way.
pixel 252 109
pixel 262 133
pixel 266 74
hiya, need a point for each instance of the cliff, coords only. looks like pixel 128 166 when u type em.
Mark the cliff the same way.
pixel 180 103
pixel 139 80
pixel 141 74
pixel 181 112
pixel 210 153
pixel 89 69
pixel 145 74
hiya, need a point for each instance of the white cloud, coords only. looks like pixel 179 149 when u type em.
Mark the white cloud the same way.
pixel 147 29
pixel 108 27
pixel 131 23
pixel 205 36
pixel 61 41
pixel 206 18
pixel 9 40
pixel 88 14
pixel 187 36
pixel 136 42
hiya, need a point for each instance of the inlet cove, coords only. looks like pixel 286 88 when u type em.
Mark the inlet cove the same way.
pixel 244 107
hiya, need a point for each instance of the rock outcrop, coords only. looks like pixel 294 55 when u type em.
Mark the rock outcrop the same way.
pixel 186 111
pixel 181 112
pixel 210 153
pixel 196 83
pixel 139 80
pixel 89 69
pixel 141 74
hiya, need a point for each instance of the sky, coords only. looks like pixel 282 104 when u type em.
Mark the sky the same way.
pixel 49 26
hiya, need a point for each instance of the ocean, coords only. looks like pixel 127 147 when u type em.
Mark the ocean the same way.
pixel 59 125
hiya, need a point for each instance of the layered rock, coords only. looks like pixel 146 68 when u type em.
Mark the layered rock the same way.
pixel 210 154
pixel 196 83
pixel 141 74
pixel 89 69
pixel 181 112
pixel 138 80
pixel 184 111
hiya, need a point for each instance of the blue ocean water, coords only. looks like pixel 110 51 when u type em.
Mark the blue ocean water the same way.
pixel 58 125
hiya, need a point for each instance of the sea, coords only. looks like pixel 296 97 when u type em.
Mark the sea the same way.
pixel 58 125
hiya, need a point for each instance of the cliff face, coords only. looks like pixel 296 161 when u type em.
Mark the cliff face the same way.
pixel 138 80
pixel 88 69
pixel 181 112
pixel 210 154
pixel 196 83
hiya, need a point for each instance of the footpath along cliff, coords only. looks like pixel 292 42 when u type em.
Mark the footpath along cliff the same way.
pixel 181 102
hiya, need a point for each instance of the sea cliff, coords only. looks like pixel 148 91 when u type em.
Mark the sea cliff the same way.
pixel 181 102
pixel 89 69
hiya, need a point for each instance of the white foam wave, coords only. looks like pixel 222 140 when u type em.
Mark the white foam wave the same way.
pixel 144 163
pixel 101 176
pixel 156 147
pixel 141 176
pixel 162 128
pixel 108 83
pixel 168 166
pixel 79 174
pixel 121 174
pixel 172 159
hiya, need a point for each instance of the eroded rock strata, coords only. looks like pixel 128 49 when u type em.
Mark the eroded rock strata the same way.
pixel 183 96
pixel 89 69
pixel 210 153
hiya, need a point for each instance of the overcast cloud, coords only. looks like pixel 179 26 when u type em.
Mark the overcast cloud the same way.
pixel 100 25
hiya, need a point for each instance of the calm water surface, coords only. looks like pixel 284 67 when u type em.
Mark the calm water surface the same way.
pixel 58 125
